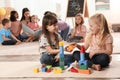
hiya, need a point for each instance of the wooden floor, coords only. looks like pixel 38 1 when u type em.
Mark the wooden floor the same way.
pixel 28 53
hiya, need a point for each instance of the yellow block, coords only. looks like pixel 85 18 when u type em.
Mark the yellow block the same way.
pixel 61 43
pixel 57 71
pixel 36 70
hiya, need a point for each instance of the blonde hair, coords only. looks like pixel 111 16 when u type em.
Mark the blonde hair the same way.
pixel 100 20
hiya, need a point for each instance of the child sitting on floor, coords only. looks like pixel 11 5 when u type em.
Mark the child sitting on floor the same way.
pixel 33 24
pixel 49 48
pixel 100 42
pixel 6 37
pixel 78 34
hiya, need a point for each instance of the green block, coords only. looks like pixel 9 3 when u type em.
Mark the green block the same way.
pixel 48 66
pixel 62 67
pixel 83 67
pixel 62 59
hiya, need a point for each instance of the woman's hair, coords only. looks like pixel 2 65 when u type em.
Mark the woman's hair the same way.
pixel 49 20
pixel 100 20
pixel 23 12
pixel 82 20
pixel 47 13
pixel 50 13
pixel 12 16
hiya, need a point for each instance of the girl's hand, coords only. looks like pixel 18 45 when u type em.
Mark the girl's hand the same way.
pixel 56 58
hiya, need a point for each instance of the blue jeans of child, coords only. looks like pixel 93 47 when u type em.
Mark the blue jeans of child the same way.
pixel 48 59
pixel 64 33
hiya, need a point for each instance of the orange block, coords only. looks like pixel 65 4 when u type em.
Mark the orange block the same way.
pixel 84 71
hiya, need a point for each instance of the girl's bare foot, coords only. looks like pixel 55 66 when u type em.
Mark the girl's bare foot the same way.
pixel 96 67
pixel 18 42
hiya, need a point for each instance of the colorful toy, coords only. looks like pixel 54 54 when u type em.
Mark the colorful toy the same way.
pixel 57 71
pixel 74 70
pixel 83 68
pixel 61 55
pixel 43 69
pixel 70 47
pixel 48 68
pixel 36 70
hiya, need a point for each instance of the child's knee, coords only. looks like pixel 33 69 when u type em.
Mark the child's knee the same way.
pixel 46 59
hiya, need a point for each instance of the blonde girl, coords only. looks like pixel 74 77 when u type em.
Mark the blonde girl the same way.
pixel 80 29
pixel 100 42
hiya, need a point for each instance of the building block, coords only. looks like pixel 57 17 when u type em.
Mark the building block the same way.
pixel 83 64
pixel 74 70
pixel 36 70
pixel 48 70
pixel 57 71
pixel 84 71
pixel 61 59
pixel 61 55
pixel 48 66
pixel 83 67
pixel 62 67
pixel 43 69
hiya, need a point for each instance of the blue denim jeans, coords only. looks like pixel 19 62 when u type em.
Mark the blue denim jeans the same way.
pixel 48 59
pixel 64 33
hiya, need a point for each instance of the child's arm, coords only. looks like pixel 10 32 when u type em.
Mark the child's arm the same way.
pixel 5 38
pixel 52 51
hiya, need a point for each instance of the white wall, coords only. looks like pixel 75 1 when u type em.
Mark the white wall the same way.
pixel 38 7
pixel 112 15
pixel 2 3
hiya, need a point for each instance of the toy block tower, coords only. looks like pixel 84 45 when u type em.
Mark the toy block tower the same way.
pixel 82 61
pixel 83 68
pixel 61 55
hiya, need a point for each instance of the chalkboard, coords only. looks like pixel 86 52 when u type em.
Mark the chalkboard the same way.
pixel 74 7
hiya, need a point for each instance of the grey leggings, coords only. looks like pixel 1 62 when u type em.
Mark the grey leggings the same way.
pixel 26 29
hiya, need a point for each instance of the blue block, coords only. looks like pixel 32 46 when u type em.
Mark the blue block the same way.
pixel 43 69
pixel 82 56
pixel 61 55
pixel 61 49
pixel 83 62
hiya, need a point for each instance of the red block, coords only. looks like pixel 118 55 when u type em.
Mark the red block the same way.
pixel 48 70
pixel 74 70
